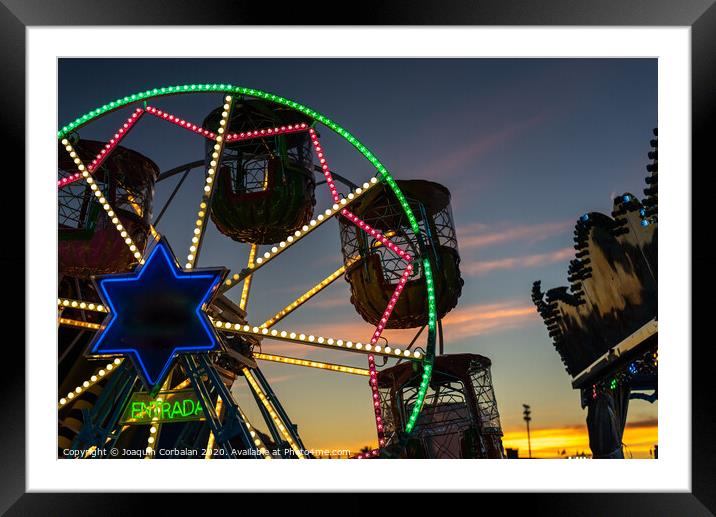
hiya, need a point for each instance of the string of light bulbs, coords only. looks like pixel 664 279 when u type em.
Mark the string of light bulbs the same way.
pixel 177 121
pixel 246 289
pixel 313 291
pixel 310 364
pixel 79 323
pixel 272 412
pixel 78 304
pixel 217 151
pixel 106 150
pixel 317 341
pixel 94 379
pixel 102 200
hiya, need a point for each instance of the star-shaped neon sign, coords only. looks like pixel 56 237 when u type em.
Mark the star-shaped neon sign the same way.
pixel 156 312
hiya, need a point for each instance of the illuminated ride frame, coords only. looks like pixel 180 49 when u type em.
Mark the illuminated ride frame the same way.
pixel 107 185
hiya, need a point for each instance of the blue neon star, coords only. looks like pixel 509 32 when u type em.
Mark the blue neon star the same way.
pixel 156 312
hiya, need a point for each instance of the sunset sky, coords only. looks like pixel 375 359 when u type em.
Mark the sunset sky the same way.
pixel 526 146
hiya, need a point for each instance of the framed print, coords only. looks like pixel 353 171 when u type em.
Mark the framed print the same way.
pixel 415 246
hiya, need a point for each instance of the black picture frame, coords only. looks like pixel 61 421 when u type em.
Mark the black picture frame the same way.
pixel 699 15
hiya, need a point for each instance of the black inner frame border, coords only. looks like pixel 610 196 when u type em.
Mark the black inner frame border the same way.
pixel 699 15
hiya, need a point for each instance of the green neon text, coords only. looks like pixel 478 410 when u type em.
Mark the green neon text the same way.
pixel 166 410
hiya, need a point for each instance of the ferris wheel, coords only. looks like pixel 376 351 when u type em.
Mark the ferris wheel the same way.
pixel 169 339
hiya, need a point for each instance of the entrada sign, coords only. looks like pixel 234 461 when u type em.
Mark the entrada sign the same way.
pixel 168 406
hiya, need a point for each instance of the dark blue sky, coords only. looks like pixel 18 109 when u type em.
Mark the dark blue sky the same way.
pixel 525 145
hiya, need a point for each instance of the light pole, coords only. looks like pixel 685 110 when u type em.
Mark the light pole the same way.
pixel 526 416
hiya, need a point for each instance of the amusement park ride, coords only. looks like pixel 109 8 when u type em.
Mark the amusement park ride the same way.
pixel 171 343
pixel 604 326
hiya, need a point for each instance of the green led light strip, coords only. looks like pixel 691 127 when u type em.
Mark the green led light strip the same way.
pixel 430 352
pixel 383 172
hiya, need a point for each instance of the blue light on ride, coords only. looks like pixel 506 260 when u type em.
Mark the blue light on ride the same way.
pixel 156 312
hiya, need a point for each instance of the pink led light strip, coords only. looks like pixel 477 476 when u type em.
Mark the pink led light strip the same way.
pixel 324 166
pixel 391 304
pixel 376 401
pixel 385 241
pixel 231 137
pixel 271 131
pixel 177 121
pixel 69 179
pixel 106 151
pixel 371 360
pixel 370 454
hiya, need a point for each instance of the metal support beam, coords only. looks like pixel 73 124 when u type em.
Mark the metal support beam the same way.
pixel 233 425
pixel 295 361
pixel 273 430
pixel 171 198
pixel 313 291
pixel 285 426
pixel 100 428
pixel 246 289
pixel 292 428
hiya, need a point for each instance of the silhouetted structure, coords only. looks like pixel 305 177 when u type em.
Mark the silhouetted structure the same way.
pixel 527 418
pixel 604 325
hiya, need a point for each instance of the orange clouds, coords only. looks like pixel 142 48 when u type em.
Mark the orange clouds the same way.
pixel 465 154
pixel 541 259
pixel 480 235
pixel 477 319
pixel 463 322
pixel 639 438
